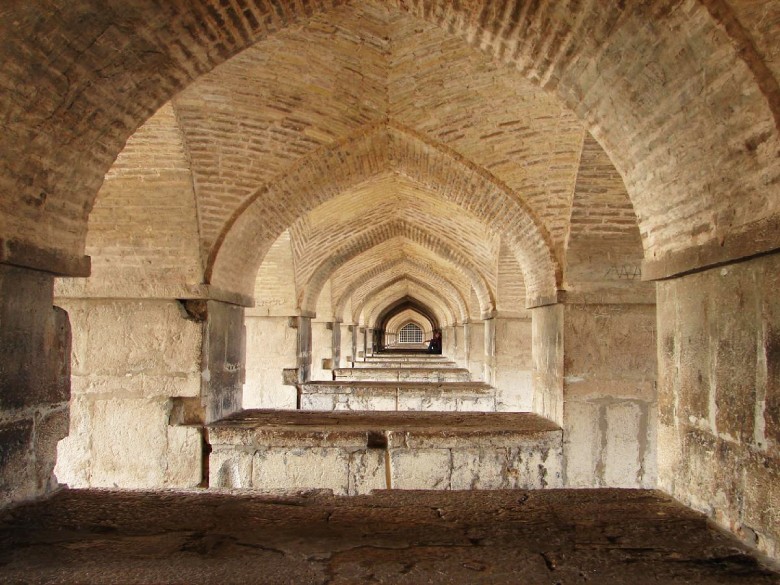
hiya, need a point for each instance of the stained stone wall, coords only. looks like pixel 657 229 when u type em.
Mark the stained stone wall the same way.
pixel 130 359
pixel 35 341
pixel 513 364
pixel 719 396
pixel 609 411
pixel 547 358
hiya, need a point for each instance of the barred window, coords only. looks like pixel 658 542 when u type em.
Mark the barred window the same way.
pixel 410 333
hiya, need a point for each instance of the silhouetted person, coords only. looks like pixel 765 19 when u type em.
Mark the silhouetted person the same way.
pixel 435 344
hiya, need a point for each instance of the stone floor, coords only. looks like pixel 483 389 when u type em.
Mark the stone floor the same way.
pixel 553 537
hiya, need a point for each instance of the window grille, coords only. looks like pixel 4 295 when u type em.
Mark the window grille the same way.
pixel 410 333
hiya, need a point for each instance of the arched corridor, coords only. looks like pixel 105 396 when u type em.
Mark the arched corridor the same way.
pixel 227 226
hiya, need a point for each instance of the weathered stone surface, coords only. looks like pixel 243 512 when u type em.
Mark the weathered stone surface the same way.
pixel 271 346
pixel 223 357
pixel 547 336
pixel 16 461
pixel 34 339
pixel 386 396
pixel 720 453
pixel 343 451
pixel 551 536
pixel 402 374
pixel 35 345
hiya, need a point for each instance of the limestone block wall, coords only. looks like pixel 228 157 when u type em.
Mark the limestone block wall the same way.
pixel 271 346
pixel 547 359
pixel 129 359
pixel 346 349
pixel 475 351
pixel 719 396
pixel 609 395
pixel 35 343
pixel 513 375
pixel 322 350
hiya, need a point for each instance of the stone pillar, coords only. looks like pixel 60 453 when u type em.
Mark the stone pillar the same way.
pixel 272 348
pixel 459 355
pixel 609 395
pixel 489 351
pixel 363 341
pixel 513 376
pixel 347 346
pixel 35 345
pixel 476 350
pixel 322 337
pixel 719 396
pixel 547 357
pixel 449 341
pixel 134 362
pixel 336 344
pixel 224 351
pixel 303 325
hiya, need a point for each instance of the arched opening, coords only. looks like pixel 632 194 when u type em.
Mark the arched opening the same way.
pixel 535 196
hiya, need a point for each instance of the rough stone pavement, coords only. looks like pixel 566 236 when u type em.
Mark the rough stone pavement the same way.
pixel 552 537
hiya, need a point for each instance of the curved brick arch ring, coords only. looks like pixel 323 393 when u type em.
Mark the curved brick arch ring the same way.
pixel 373 236
pixel 402 319
pixel 256 226
pixel 384 298
pixel 662 115
pixel 365 282
pixel 376 290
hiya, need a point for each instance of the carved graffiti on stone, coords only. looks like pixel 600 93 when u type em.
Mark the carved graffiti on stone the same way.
pixel 624 272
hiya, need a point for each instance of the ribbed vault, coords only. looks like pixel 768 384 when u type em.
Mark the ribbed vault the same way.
pixel 383 148
pixel 653 112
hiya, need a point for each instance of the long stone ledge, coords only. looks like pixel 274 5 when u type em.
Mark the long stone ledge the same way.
pixel 356 452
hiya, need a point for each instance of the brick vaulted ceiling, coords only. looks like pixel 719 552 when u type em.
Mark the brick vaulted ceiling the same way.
pixel 293 104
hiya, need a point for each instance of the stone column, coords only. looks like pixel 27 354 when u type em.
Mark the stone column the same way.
pixel 547 356
pixel 137 363
pixel 719 395
pixel 304 348
pixel 322 337
pixel 476 350
pixel 609 410
pixel 336 344
pixel 35 345
pixel 489 351
pixel 272 348
pixel 513 369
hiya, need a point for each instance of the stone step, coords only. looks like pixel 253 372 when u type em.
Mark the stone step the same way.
pixel 399 396
pixel 400 357
pixel 402 374
pixel 404 364
pixel 356 452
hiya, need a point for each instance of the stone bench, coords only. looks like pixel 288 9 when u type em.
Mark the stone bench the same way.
pixel 403 396
pixel 355 452
pixel 400 357
pixel 371 363
pixel 402 374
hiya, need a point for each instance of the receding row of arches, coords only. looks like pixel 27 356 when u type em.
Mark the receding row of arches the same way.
pixel 582 197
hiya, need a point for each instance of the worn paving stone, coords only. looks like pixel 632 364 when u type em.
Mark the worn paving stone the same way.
pixel 530 537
